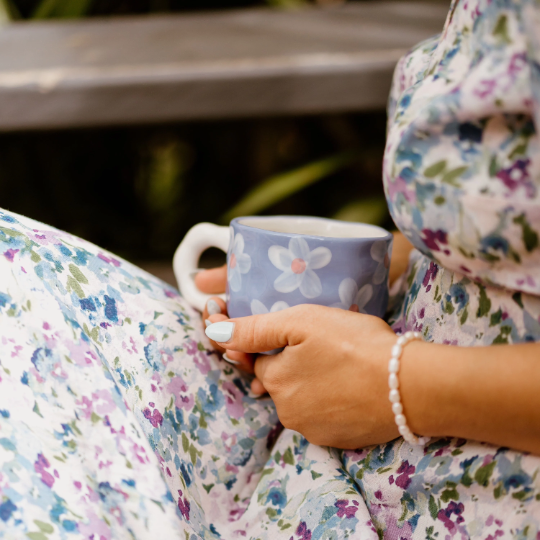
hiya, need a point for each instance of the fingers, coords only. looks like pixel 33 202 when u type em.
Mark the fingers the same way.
pixel 214 306
pixel 215 319
pixel 240 360
pixel 260 333
pixel 260 369
pixel 212 281
pixel 257 387
pixel 216 311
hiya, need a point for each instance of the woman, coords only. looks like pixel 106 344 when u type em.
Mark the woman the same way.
pixel 118 419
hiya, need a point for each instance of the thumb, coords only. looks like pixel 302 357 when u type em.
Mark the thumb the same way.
pixel 259 333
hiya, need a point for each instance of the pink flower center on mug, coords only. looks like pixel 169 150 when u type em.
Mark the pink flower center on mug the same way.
pixel 354 308
pixel 298 266
pixel 232 261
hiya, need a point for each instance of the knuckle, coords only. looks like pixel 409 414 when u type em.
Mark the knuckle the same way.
pixel 272 381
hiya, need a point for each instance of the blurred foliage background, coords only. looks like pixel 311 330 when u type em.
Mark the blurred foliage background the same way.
pixel 137 190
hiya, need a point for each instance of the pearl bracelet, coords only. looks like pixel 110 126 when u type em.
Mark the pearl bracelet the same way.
pixel 394 396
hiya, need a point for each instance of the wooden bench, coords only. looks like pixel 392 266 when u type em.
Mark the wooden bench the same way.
pixel 250 62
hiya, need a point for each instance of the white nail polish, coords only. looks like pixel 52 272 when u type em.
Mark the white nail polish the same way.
pixel 220 331
pixel 227 359
pixel 207 323
pixel 213 307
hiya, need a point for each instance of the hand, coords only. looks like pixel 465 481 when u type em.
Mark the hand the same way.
pixel 214 282
pixel 330 383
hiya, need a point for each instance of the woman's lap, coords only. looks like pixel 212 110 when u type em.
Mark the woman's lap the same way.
pixel 116 420
pixel 116 417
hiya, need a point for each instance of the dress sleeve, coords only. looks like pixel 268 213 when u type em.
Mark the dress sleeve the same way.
pixel 462 162
pixel 532 25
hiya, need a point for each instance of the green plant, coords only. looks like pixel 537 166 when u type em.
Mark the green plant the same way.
pixel 8 11
pixel 372 210
pixel 281 186
pixel 71 9
pixel 287 4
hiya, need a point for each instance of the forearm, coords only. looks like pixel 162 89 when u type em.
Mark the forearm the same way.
pixel 400 256
pixel 489 394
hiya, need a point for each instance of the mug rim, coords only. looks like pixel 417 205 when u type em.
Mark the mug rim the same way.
pixel 386 235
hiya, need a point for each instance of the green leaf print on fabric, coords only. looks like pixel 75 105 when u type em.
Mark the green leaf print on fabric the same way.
pixel 435 169
pixel 501 29
pixel 529 235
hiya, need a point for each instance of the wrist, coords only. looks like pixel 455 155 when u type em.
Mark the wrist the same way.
pixel 424 384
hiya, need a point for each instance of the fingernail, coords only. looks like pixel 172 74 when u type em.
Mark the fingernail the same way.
pixel 227 359
pixel 213 307
pixel 207 322
pixel 220 331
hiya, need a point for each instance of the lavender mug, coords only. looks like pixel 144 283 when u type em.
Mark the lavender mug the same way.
pixel 281 261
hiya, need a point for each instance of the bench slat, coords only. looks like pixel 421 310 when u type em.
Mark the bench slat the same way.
pixel 214 65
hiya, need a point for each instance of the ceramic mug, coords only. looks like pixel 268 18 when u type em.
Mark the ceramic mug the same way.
pixel 281 261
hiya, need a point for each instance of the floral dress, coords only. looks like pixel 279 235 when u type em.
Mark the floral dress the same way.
pixel 117 420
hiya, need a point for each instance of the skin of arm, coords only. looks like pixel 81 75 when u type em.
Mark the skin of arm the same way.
pixel 488 394
pixel 400 256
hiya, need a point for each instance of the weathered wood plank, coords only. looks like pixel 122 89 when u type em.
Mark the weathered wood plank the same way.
pixel 196 66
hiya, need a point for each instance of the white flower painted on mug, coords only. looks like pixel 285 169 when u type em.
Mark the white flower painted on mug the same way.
pixel 351 298
pixel 297 264
pixel 379 253
pixel 258 308
pixel 239 262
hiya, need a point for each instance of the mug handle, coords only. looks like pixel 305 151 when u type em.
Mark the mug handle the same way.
pixel 187 255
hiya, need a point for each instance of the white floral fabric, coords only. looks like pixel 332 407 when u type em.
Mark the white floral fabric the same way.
pixel 117 419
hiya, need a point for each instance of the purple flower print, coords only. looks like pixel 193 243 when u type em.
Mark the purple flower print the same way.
pixel 344 510
pixel 183 505
pixel 518 176
pixel 154 417
pixel 109 260
pixel 298 264
pixel 430 275
pixel 445 515
pixel 405 471
pixel 233 399
pixel 10 254
pixel 487 88
pixel 399 186
pixel 518 63
pixel 40 465
pixel 303 532
pixel 179 389
pixel 433 239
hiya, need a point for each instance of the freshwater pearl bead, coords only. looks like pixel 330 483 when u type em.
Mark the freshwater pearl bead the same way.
pixel 397 408
pixel 404 430
pixel 394 396
pixel 393 366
